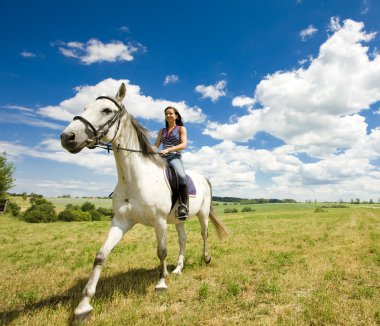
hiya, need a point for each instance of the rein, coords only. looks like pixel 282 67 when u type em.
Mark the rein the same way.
pixel 108 147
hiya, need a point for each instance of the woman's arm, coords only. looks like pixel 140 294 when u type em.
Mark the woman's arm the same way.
pixel 158 140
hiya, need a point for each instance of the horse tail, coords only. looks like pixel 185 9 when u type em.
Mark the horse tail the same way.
pixel 220 228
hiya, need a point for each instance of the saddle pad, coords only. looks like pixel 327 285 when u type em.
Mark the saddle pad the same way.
pixel 189 181
pixel 191 186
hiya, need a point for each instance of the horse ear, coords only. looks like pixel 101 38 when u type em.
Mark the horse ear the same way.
pixel 121 93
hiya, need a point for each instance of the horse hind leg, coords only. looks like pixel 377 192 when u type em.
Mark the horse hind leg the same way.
pixel 182 244
pixel 203 221
pixel 115 234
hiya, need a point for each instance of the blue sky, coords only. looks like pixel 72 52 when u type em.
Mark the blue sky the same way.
pixel 280 98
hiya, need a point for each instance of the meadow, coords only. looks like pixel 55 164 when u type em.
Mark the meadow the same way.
pixel 282 264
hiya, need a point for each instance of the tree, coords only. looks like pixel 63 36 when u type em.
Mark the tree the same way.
pixel 6 175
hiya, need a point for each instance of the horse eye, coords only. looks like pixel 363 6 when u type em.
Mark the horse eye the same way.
pixel 107 110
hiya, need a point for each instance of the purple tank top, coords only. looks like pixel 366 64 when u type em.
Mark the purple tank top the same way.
pixel 172 138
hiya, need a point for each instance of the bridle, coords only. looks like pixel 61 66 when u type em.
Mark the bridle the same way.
pixel 99 133
pixel 104 128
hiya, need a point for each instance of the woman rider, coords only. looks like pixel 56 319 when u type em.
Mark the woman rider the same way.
pixel 174 139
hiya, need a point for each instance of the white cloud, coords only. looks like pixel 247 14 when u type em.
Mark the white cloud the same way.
pixel 96 160
pixel 96 51
pixel 141 106
pixel 214 92
pixel 55 188
pixel 171 79
pixel 18 107
pixel 242 164
pixel 302 62
pixel 344 176
pixel 124 29
pixel 27 54
pixel 308 32
pixel 26 116
pixel 334 24
pixel 365 8
pixel 316 110
pixel 243 101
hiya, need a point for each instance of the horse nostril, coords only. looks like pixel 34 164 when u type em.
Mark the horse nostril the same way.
pixel 67 136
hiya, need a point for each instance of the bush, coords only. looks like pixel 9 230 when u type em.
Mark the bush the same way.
pixel 95 215
pixel 71 215
pixel 74 207
pixel 231 210
pixel 87 206
pixel 42 211
pixel 247 209
pixel 108 212
pixel 335 206
pixel 34 198
pixel 13 208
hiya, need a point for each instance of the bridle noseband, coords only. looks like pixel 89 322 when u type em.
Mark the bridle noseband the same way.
pixel 100 133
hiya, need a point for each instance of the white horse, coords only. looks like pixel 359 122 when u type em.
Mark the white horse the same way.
pixel 142 194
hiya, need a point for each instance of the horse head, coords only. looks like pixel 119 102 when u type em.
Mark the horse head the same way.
pixel 99 122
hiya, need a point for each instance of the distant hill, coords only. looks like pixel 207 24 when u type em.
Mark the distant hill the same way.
pixel 251 201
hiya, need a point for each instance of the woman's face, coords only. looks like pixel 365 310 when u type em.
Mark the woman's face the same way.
pixel 170 115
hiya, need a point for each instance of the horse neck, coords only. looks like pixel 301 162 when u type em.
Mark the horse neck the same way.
pixel 130 165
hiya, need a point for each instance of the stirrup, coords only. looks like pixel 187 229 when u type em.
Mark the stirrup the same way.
pixel 185 213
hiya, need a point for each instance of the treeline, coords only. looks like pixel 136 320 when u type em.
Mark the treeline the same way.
pixel 26 195
pixel 251 201
pixel 86 197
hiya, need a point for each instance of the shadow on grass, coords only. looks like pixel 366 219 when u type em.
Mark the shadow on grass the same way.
pixel 133 281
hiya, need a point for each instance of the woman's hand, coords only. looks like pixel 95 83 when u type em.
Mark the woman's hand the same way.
pixel 165 151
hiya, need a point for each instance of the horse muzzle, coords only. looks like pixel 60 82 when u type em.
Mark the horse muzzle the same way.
pixel 70 142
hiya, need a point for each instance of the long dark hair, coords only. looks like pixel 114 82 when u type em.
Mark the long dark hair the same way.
pixel 178 120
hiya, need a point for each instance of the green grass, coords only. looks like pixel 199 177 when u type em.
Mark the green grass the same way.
pixel 283 264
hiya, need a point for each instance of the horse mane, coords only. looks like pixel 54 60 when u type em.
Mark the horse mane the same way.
pixel 145 146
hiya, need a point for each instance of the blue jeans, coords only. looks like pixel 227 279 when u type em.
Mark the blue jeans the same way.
pixel 174 159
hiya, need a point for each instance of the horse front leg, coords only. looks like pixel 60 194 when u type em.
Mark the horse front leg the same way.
pixel 115 234
pixel 182 244
pixel 160 229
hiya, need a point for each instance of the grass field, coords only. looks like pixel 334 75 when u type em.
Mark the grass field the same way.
pixel 283 264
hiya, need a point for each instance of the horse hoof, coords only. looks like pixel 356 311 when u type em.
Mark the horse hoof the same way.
pixel 177 271
pixel 161 285
pixel 83 312
pixel 208 260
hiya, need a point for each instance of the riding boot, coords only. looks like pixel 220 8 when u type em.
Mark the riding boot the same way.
pixel 183 208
